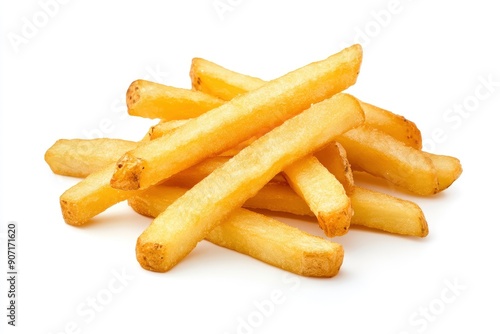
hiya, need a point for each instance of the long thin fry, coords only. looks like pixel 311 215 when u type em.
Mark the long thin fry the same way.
pixel 81 157
pixel 154 100
pixel 371 209
pixel 256 235
pixel 225 84
pixel 249 114
pixel 175 232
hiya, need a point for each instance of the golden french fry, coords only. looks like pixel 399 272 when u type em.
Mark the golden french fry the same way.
pixel 279 197
pixel 175 232
pixel 381 155
pixel 371 209
pixel 164 128
pixel 334 157
pixel 220 82
pixel 394 125
pixel 225 84
pixel 323 193
pixel 80 157
pixel 65 158
pixel 448 169
pixel 91 196
pixel 387 213
pixel 153 100
pixel 256 235
pixel 239 119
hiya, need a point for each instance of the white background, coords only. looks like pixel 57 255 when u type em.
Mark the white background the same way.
pixel 68 78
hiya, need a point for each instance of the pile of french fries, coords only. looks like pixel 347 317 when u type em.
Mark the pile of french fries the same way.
pixel 235 143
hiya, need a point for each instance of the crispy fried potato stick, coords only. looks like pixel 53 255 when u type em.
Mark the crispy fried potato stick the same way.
pixel 379 154
pixel 308 177
pixel 153 100
pixel 371 209
pixel 165 127
pixel 80 157
pixel 225 84
pixel 243 117
pixel 256 235
pixel 322 192
pixel 91 196
pixel 175 232
pixel 448 169
pixel 334 158
pixel 394 125
pixel 387 213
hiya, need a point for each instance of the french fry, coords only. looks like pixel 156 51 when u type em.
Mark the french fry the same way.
pixel 394 125
pixel 80 157
pixel 381 155
pixel 279 197
pixel 220 82
pixel 334 157
pixel 371 209
pixel 153 100
pixel 448 169
pixel 387 213
pixel 323 193
pixel 225 84
pixel 308 177
pixel 91 196
pixel 164 128
pixel 65 158
pixel 176 231
pixel 256 235
pixel 242 117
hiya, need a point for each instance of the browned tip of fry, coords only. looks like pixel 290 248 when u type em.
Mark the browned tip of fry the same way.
pixel 133 93
pixel 448 169
pixel 337 223
pixel 151 256
pixel 69 213
pixel 127 172
pixel 424 228
pixel 66 211
pixel 193 73
pixel 323 266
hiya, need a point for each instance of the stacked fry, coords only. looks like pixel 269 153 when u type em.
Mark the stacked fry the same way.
pixel 236 143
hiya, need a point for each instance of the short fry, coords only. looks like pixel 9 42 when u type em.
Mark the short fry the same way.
pixel 256 235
